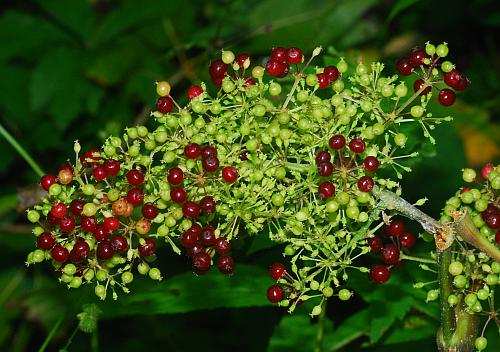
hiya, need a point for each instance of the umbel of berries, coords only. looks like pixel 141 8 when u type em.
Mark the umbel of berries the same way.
pixel 291 149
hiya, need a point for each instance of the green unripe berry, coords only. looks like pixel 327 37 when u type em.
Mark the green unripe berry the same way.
pixel 132 133
pixel 442 50
pixel 387 90
pixel 311 80
pixel 66 278
pixel 495 267
pixel 343 198
pixel 101 275
pixel 468 175
pixel 459 281
pixel 430 49
pixel 38 256
pixel 100 291
pixel 477 307
pixel 338 86
pixel 314 285
pixel 127 277
pixel 467 197
pixel 400 139
pixel 228 85
pixel 455 268
pixel 447 66
pixel 316 310
pixel 342 66
pixel 352 212
pixel 143 268
pixel 75 282
pixel 259 110
pixel 452 300
pixel 89 209
pixel 401 90
pixel 327 292
pixel 258 72
pixel 33 216
pixel 88 189
pixel 481 343
pixel 274 89
pixel 302 96
pixel 432 295
pixel 69 269
pixel 278 200
pixel 55 190
pixel 155 274
pixel 417 111
pixel 289 250
pixel 142 131
pixel 470 299
pixel 332 206
pixel 344 294
pixel 491 280
pixel 482 294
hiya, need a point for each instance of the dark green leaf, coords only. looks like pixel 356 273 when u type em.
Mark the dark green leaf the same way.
pixel 352 328
pixel 399 6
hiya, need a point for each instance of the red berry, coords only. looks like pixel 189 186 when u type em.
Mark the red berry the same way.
pixel 164 104
pixel 419 84
pixel 207 236
pixel 407 239
pixel 375 244
pixel 486 169
pixel 67 224
pixel 405 67
pixel 175 176
pixel 332 72
pixel 194 91
pixel 208 151
pixel 105 250
pixel 111 223
pixel 218 69
pixel 149 211
pixel 325 169
pixel 371 163
pixel 79 252
pixel 192 151
pixel 279 54
pixel 119 243
pixel 390 254
pixel 222 246
pixel 446 97
pixel 208 205
pixel 379 273
pixel 65 174
pixel 417 57
pixel 135 177
pixel 47 180
pixel 357 145
pixel 225 264
pixel 90 157
pixel 395 228
pixel 88 223
pixel 45 241
pixel 229 174
pixel 323 80
pixel 241 58
pixel 217 81
pixel 191 210
pixel 135 196
pixel 275 294
pixel 59 253
pixel 100 232
pixel 249 82
pixel 76 207
pixel 277 271
pixel 52 219
pixel 337 142
pixel 148 248
pixel 178 194
pixel 111 167
pixel 276 68
pixel 455 80
pixel 99 173
pixel 190 237
pixel 294 55
pixel 201 262
pixel 210 164
pixel 493 220
pixel 58 210
pixel 326 190
pixel 365 184
pixel 195 249
pixel 322 156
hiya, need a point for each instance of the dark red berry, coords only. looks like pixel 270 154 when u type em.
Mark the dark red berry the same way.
pixel 111 223
pixel 88 223
pixel 332 72
pixel 148 248
pixel 294 55
pixel 45 241
pixel 194 91
pixel 135 177
pixel 241 58
pixel 395 228
pixel 218 69
pixel 375 244
pixel 47 180
pixel 201 262
pixel 279 54
pixel 379 273
pixel 455 80
pixel 371 163
pixel 164 104
pixel 249 82
pixel 210 164
pixel 175 176
pixel 217 81
pixel 67 224
pixel 222 246
pixel 225 264
pixel 207 236
pixel 208 151
pixel 119 243
pixel 90 158
pixel 149 211
pixel 365 184
pixel 243 156
pixel 446 97
pixel 135 196
pixel 404 66
pixel 407 239
pixel 275 294
pixel 326 190
pixel 390 254
pixel 76 207
pixel 357 145
pixel 325 169
pixel 191 236
pixel 99 173
pixel 111 167
pixel 337 142
pixel 493 220
pixel 322 157
pixel 276 68
pixel 191 210
pixel 417 57
pixel 105 250
pixel 79 252
pixel 323 80
pixel 277 271
pixel 58 210
pixel 194 250
pixel 192 151
pixel 486 169
pixel 100 232
pixel 208 205
pixel 52 219
pixel 59 254
pixel 178 194
pixel 419 84
pixel 229 174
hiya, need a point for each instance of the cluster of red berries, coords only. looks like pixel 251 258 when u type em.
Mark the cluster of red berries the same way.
pixel 219 69
pixel 280 60
pixel 275 293
pixel 398 239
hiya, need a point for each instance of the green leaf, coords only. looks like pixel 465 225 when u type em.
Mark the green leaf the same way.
pixel 399 6
pixel 384 313
pixel 187 292
pixel 413 328
pixel 352 328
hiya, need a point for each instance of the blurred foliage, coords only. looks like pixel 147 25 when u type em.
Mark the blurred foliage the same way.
pixel 83 69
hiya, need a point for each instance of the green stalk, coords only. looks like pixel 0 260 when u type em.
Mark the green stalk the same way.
pixel 51 334
pixel 15 144
pixel 447 313
pixel 321 329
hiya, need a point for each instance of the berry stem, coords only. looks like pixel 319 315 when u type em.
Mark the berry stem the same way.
pixel 292 91
pixel 411 99
pixel 321 328
pixel 51 333
pixel 15 144
pixel 445 288
pixel 416 259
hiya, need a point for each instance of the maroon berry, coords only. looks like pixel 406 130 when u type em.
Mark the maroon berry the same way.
pixel 395 228
pixel 148 248
pixel 275 294
pixel 493 220
pixel 325 169
pixel 455 80
pixel 326 190
pixel 52 219
pixel 192 151
pixel 249 82
pixel 178 194
pixel 88 223
pixel 111 167
pixel 276 68
pixel 419 84
pixel 111 223
pixel 149 211
pixel 365 184
pixel 279 54
pixel 67 224
pixel 100 232
pixel 357 145
pixel 417 57
pixel 294 55
pixel 164 104
pixel 371 163
pixel 58 210
pixel 208 205
pixel 210 164
pixel 189 239
pixel 375 244
pixel 323 80
pixel 175 176
pixel 217 81
pixel 322 157
pixel 99 173
pixel 59 254
pixel 135 177
pixel 241 58
pixel 229 174
pixel 45 241
pixel 201 262
pixel 90 157
pixel 135 196
pixel 243 156
pixel 208 151
pixel 79 252
pixel 225 264
pixel 407 239
pixel 47 180
pixel 379 273
pixel 218 69
pixel 207 236
pixel 222 246
pixel 390 254
pixel 277 271
pixel 337 142
pixel 195 249
pixel 446 97
pixel 332 72
pixel 105 250
pixel 119 243
pixel 191 210
pixel 194 91
pixel 76 207
pixel 404 66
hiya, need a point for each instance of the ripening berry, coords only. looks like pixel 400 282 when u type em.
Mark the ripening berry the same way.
pixel 275 294
pixel 294 55
pixel 47 180
pixel 379 273
pixel 194 91
pixel 242 58
pixel 357 145
pixel 164 104
pixel 163 88
pixel 486 169
pixel 229 174
pixel 375 244
pixel 446 97
pixel 148 248
pixel 277 271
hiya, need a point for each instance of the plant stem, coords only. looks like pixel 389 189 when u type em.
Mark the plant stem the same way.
pixel 15 144
pixel 444 277
pixel 51 334
pixel 416 259
pixel 321 328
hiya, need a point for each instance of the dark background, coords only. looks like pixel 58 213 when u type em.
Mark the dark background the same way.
pixel 85 69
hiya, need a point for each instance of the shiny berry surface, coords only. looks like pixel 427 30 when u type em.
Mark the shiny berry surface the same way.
pixel 275 294
pixel 277 271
